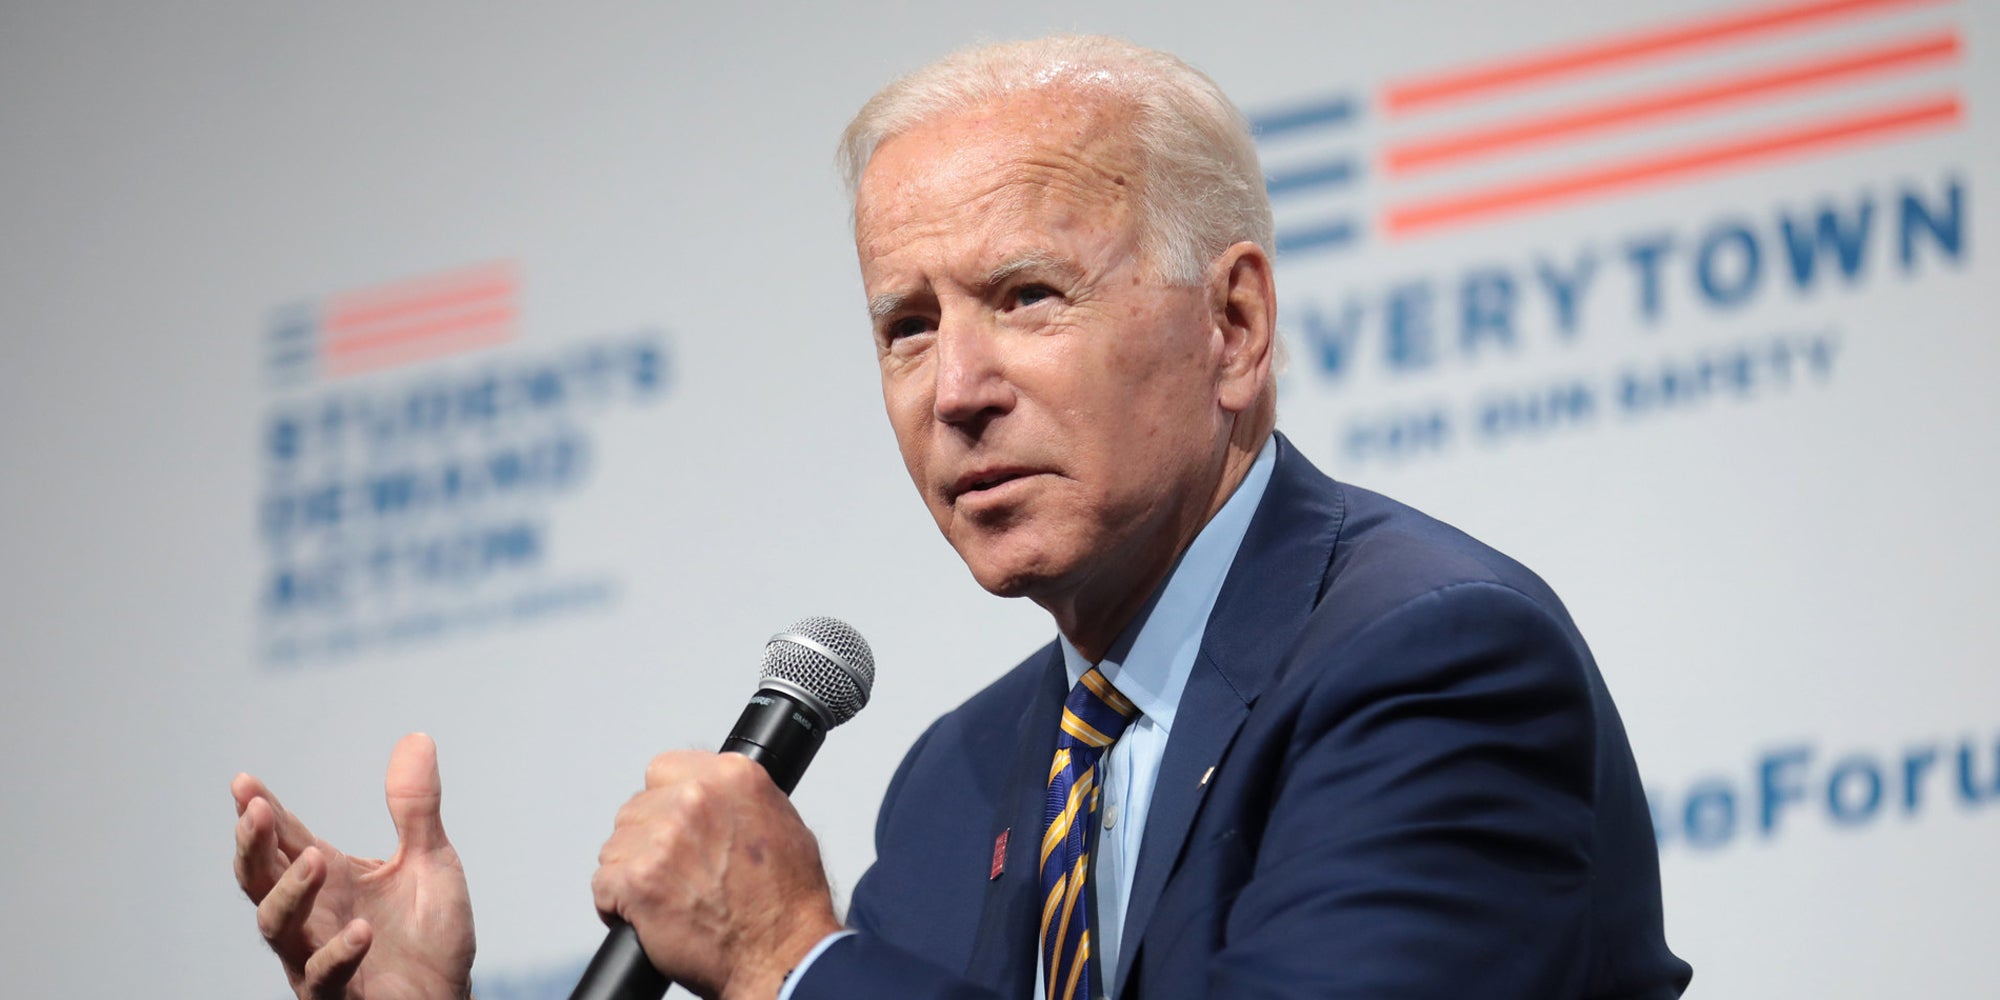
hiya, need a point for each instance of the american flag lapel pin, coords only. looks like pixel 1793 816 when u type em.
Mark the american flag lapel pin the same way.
pixel 999 854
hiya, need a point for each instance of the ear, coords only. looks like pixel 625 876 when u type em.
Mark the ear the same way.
pixel 1244 300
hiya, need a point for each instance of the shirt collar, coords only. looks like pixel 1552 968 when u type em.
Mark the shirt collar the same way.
pixel 1150 661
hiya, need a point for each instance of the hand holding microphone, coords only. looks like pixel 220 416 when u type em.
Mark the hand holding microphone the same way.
pixel 711 864
pixel 710 861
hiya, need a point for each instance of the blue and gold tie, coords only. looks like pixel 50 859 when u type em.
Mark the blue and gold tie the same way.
pixel 1093 716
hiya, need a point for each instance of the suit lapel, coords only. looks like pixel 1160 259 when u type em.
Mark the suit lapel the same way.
pixel 1004 954
pixel 1210 713
pixel 1273 586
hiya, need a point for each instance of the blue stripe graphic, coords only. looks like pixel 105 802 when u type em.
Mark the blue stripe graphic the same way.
pixel 1325 236
pixel 1314 170
pixel 291 338
pixel 1321 114
pixel 280 357
pixel 1313 175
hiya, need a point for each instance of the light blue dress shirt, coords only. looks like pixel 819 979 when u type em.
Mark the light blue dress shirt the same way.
pixel 1149 665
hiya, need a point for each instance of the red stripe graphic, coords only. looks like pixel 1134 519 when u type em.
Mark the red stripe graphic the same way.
pixel 421 318
pixel 1844 130
pixel 1414 156
pixel 394 336
pixel 456 342
pixel 350 311
pixel 1412 95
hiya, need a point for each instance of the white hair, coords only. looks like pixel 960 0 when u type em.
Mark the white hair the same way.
pixel 1200 189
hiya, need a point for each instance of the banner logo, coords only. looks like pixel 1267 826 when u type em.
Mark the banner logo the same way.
pixel 418 502
pixel 1803 785
pixel 396 324
pixel 1441 336
pixel 1610 117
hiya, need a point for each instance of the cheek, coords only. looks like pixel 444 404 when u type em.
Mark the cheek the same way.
pixel 1144 393
pixel 909 412
pixel 907 401
pixel 1154 407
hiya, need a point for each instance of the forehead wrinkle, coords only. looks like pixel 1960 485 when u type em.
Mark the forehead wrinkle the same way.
pixel 969 181
pixel 1065 167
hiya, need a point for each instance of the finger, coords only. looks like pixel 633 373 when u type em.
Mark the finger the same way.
pixel 245 787
pixel 742 774
pixel 676 766
pixel 281 917
pixel 330 968
pixel 602 893
pixel 638 810
pixel 415 794
pixel 293 836
pixel 259 862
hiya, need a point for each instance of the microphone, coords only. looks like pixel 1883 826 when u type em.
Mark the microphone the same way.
pixel 816 675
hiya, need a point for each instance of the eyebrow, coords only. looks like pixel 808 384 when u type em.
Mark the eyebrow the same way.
pixel 890 303
pixel 1033 260
pixel 886 305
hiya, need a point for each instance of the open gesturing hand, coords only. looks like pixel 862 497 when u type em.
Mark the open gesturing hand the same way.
pixel 349 928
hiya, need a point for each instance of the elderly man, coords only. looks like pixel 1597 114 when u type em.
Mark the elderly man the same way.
pixel 1293 739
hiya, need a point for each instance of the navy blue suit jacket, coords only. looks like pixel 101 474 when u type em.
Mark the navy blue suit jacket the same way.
pixel 1420 788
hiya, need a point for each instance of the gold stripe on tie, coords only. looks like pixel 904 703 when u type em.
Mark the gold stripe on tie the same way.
pixel 1077 803
pixel 1083 731
pixel 1069 902
pixel 1059 827
pixel 1049 908
pixel 1076 967
pixel 1107 694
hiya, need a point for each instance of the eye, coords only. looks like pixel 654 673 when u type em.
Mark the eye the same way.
pixel 905 327
pixel 1028 295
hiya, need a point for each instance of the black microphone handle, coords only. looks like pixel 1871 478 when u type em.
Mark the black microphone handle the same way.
pixel 620 969
pixel 776 730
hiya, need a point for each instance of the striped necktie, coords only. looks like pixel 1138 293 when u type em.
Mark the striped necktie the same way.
pixel 1093 716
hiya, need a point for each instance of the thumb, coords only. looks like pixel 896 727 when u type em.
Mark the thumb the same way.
pixel 414 794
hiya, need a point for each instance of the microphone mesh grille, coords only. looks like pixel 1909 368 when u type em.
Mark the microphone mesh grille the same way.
pixel 842 681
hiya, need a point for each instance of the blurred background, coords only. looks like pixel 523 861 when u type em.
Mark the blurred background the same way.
pixel 502 371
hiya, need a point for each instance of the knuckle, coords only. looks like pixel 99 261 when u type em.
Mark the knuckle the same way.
pixel 274 914
pixel 327 971
pixel 665 838
pixel 630 813
pixel 737 773
pixel 315 976
pixel 645 871
pixel 243 882
pixel 660 769
pixel 268 924
pixel 739 767
pixel 694 796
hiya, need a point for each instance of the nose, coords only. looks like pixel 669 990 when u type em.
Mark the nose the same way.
pixel 972 384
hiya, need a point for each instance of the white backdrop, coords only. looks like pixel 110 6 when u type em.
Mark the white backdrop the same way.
pixel 246 250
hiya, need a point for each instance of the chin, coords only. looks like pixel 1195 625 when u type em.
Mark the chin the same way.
pixel 1005 581
pixel 1004 573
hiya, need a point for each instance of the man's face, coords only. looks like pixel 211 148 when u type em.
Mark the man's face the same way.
pixel 1055 403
